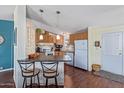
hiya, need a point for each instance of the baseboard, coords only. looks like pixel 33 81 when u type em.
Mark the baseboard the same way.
pixel 6 69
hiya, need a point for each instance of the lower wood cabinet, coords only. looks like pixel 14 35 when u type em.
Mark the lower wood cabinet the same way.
pixel 59 53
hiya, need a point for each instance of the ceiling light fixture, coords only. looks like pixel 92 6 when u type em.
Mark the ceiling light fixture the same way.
pixel 41 11
pixel 41 36
pixel 57 19
pixel 57 37
pixel 57 25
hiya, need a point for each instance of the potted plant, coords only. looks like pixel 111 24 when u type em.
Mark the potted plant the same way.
pixel 39 30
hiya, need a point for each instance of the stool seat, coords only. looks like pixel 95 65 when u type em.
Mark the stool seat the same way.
pixel 30 72
pixel 50 74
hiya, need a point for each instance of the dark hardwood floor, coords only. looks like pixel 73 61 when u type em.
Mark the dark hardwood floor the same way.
pixel 6 79
pixel 78 78
pixel 74 78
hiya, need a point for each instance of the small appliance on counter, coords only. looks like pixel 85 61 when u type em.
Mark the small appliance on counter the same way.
pixel 58 47
pixel 37 50
pixel 46 48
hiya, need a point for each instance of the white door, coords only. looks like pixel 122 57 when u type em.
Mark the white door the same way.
pixel 112 59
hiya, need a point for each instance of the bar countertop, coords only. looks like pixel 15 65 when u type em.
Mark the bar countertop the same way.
pixel 49 58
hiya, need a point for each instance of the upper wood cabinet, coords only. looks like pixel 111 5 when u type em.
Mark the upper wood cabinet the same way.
pixel 37 35
pixel 48 38
pixel 60 41
pixel 78 36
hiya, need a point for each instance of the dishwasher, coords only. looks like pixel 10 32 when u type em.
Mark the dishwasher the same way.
pixel 72 58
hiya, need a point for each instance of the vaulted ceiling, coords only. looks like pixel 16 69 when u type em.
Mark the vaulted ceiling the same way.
pixel 72 18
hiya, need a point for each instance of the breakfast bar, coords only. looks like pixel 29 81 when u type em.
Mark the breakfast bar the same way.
pixel 41 57
pixel 49 58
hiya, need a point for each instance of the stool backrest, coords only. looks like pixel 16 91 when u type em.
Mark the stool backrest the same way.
pixel 27 67
pixel 49 67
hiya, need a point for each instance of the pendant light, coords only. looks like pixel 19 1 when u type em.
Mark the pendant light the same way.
pixel 41 37
pixel 57 12
pixel 57 37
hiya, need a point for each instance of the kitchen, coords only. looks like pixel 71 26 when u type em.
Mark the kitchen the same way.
pixel 63 45
pixel 57 44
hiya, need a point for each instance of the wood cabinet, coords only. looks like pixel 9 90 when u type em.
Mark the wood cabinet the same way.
pixel 78 36
pixel 48 38
pixel 59 53
pixel 60 41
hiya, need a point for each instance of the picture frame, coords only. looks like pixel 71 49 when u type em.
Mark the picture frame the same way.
pixel 97 43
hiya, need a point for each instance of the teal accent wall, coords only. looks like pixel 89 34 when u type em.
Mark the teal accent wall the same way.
pixel 7 48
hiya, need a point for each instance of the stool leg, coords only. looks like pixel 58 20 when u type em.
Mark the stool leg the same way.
pixel 24 82
pixel 38 80
pixel 31 82
pixel 46 82
pixel 56 82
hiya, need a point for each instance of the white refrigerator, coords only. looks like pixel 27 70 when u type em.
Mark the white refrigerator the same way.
pixel 81 50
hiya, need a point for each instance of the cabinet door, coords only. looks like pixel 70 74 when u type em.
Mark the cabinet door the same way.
pixel 50 39
pixel 71 39
pixel 60 41
pixel 37 35
pixel 54 39
pixel 84 35
pixel 78 36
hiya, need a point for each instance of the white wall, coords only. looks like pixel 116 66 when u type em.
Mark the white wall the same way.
pixel 20 48
pixel 95 34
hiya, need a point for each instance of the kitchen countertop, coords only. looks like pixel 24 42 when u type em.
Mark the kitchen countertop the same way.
pixel 68 51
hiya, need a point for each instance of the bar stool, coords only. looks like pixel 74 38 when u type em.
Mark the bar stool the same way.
pixel 50 70
pixel 28 70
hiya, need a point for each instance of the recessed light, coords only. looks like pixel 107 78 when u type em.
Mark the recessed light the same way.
pixel 58 12
pixel 41 11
